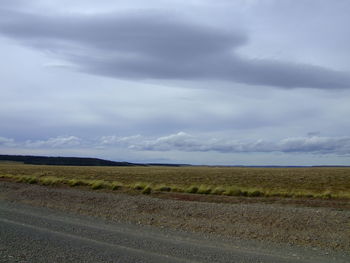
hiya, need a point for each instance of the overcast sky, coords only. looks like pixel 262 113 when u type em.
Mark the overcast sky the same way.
pixel 254 82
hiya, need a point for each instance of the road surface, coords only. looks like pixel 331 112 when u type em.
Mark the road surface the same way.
pixel 29 234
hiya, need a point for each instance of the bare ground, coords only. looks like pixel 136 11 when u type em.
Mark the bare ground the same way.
pixel 323 224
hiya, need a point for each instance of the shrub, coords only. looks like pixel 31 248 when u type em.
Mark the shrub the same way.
pixel 163 188
pixel 147 190
pixel 254 193
pixel 75 182
pixel 192 189
pixel 203 189
pixel 6 176
pixel 139 186
pixel 50 181
pixel 218 190
pixel 116 185
pixel 233 191
pixel 22 179
pixel 179 189
pixel 97 184
pixel 27 179
pixel 32 180
pixel 327 195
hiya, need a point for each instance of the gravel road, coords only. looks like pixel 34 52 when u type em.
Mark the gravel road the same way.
pixel 45 224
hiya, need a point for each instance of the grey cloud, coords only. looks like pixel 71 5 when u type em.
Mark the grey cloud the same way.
pixel 150 45
pixel 313 133
pixel 316 144
pixel 185 142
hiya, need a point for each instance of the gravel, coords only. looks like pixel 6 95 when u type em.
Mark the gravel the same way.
pixel 314 227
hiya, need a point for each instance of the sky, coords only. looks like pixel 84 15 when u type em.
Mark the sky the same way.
pixel 245 82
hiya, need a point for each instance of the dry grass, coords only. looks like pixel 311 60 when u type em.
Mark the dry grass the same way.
pixel 323 182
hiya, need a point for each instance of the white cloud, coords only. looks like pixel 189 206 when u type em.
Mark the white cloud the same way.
pixel 117 140
pixel 176 141
pixel 6 141
pixel 57 142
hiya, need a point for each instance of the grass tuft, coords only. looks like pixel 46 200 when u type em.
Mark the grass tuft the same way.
pixel 233 191
pixel 192 189
pixel 50 181
pixel 204 189
pixel 27 179
pixel 139 186
pixel 147 190
pixel 254 193
pixel 219 190
pixel 76 182
pixel 163 188
pixel 116 185
pixel 98 184
pixel 6 176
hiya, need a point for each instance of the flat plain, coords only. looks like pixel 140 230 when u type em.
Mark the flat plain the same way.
pixel 306 182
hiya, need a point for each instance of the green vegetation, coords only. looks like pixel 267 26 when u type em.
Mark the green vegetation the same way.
pixel 204 189
pixel 192 189
pixel 116 185
pixel 315 182
pixel 50 180
pixel 139 186
pixel 163 188
pixel 147 190
pixel 28 179
pixel 98 184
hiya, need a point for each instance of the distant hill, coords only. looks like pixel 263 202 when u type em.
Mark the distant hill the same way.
pixel 169 164
pixel 84 161
pixel 75 161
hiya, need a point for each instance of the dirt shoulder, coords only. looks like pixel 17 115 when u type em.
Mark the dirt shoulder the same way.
pixel 320 225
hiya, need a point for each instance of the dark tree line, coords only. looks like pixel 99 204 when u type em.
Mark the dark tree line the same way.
pixel 78 161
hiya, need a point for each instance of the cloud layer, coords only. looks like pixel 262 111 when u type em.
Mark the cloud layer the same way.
pixel 250 82
pixel 184 142
pixel 154 45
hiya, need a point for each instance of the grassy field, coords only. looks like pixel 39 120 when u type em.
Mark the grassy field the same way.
pixel 323 182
